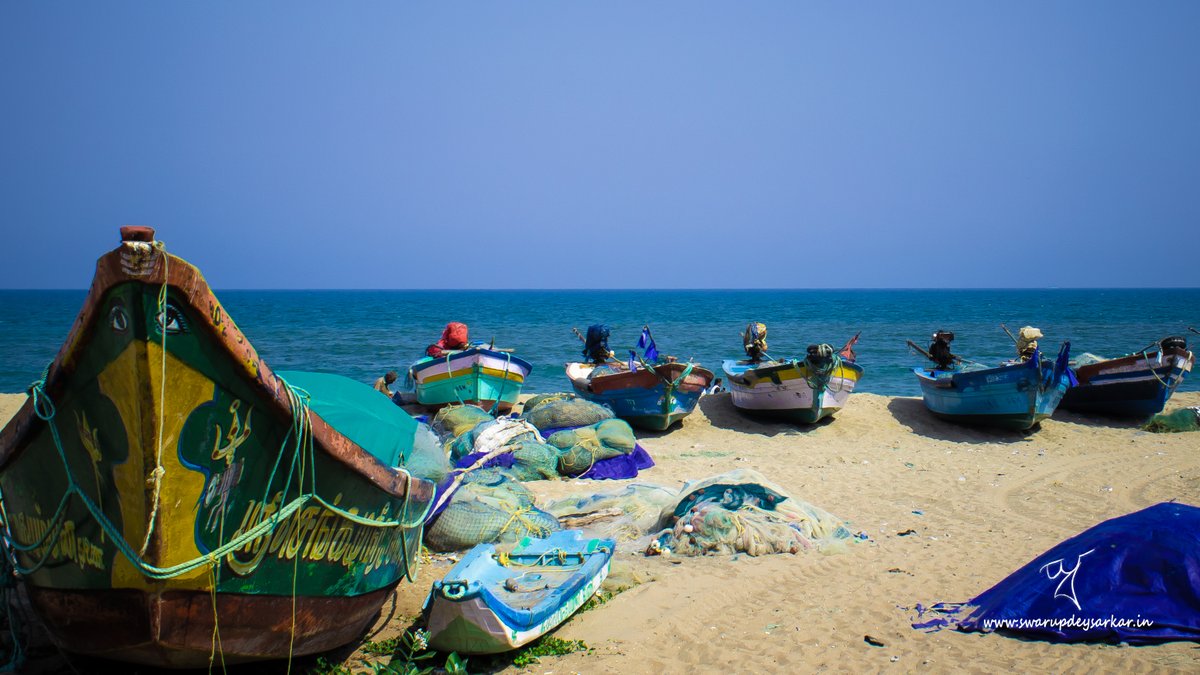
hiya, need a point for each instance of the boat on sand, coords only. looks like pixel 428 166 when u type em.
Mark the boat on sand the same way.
pixel 495 601
pixel 169 500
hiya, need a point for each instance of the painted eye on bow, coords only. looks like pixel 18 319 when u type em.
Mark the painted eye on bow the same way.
pixel 118 320
pixel 171 321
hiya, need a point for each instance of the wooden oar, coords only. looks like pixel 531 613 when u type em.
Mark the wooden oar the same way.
pixel 928 355
pixel 1010 335
pixel 922 351
pixel 1197 332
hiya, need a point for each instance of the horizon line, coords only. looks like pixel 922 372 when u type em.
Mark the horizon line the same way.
pixel 678 289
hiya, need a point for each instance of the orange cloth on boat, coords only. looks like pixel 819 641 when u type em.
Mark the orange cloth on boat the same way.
pixel 454 336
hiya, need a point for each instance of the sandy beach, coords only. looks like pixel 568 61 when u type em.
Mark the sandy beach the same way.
pixel 988 502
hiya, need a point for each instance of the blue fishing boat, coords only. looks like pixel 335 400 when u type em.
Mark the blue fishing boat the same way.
pixel 646 391
pixel 1135 385
pixel 494 601
pixel 652 397
pixel 1017 395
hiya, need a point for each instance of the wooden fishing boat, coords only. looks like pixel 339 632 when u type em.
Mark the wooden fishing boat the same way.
pixel 159 489
pixel 799 391
pixel 652 397
pixel 494 601
pixel 1013 396
pixel 478 375
pixel 1134 385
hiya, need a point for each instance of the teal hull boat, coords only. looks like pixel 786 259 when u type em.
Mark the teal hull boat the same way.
pixel 479 376
pixel 1016 396
pixel 493 601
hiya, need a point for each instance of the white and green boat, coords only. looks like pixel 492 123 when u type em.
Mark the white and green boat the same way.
pixel 477 375
pixel 494 601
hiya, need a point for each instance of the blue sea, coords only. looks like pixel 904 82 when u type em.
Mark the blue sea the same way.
pixel 362 334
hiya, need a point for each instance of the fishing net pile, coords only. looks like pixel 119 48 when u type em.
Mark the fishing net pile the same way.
pixel 455 420
pixel 472 438
pixel 735 512
pixel 601 371
pixel 488 506
pixel 1086 359
pixel 562 411
pixel 581 448
pixel 428 458
pixel 490 437
pixel 483 496
pixel 1184 419
pixel 742 512
pixel 625 515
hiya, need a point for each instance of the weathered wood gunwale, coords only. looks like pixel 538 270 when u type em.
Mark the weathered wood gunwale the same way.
pixel 279 593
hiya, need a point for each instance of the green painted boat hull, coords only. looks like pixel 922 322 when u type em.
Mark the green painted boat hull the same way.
pixel 476 387
pixel 169 483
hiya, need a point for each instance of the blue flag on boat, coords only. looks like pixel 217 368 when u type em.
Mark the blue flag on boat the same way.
pixel 646 342
pixel 632 360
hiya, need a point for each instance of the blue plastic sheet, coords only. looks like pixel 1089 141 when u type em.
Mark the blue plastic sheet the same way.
pixel 1133 579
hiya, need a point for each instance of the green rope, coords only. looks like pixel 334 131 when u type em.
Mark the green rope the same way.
pixel 301 436
pixel 1170 370
pixel 503 383
pixel 819 377
pixel 16 659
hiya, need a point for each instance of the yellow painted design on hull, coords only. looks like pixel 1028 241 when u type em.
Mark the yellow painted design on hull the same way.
pixel 797 373
pixel 133 383
pixel 493 372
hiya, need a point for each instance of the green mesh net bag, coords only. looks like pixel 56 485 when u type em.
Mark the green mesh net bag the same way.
pixel 534 461
pixel 574 412
pixel 538 399
pixel 453 421
pixel 428 457
pixel 583 447
pixel 489 506
pixel 601 371
pixel 742 512
pixel 490 435
pixel 1184 419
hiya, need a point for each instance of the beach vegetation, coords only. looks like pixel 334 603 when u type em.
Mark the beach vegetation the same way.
pixel 548 646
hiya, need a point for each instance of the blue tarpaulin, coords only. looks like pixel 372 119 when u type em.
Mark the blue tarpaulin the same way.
pixel 1133 579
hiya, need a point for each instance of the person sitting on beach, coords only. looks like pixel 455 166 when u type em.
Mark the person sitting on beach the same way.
pixel 716 387
pixel 454 338
pixel 383 384
pixel 939 351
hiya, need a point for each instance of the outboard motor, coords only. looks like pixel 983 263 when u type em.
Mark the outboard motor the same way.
pixel 595 346
pixel 754 340
pixel 1173 343
pixel 819 357
pixel 940 349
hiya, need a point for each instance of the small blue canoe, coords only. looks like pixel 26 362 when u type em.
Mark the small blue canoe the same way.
pixel 1015 396
pixel 493 601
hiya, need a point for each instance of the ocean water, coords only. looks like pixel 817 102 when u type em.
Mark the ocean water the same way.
pixel 362 334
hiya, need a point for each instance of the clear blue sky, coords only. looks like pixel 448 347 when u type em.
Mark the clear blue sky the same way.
pixel 605 144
